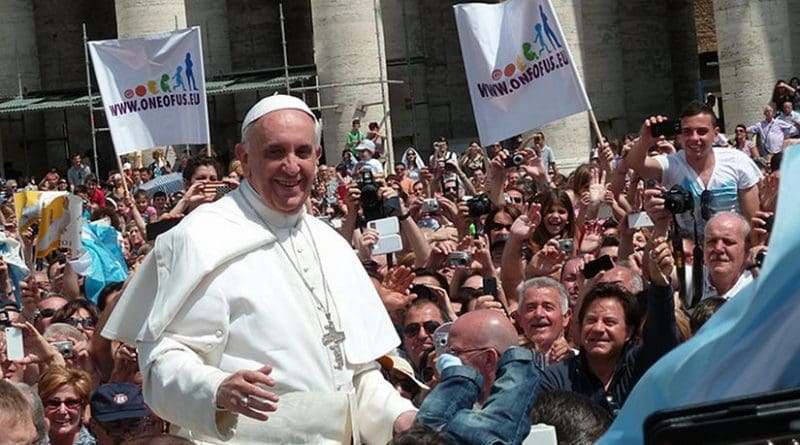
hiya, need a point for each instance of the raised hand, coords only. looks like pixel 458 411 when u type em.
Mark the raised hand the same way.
pixel 547 261
pixel 524 226
pixel 597 186
pixel 660 262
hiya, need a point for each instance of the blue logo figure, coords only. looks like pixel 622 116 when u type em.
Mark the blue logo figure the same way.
pixel 548 30
pixel 539 38
pixel 190 73
pixel 178 78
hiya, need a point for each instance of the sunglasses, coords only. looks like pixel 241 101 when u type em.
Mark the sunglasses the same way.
pixel 515 200
pixel 450 189
pixel 44 313
pixel 496 226
pixel 54 404
pixel 412 329
pixel 705 204
pixel 86 323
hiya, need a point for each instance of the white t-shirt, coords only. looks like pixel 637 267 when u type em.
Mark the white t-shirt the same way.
pixel 733 171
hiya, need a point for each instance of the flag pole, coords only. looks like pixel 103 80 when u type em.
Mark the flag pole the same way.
pixel 122 174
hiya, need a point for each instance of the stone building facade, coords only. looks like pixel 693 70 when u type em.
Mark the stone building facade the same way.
pixel 637 58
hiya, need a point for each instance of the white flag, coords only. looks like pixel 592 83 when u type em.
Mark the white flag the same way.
pixel 153 89
pixel 519 67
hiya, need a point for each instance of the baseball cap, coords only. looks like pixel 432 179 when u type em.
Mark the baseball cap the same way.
pixel 117 401
pixel 274 103
pixel 401 365
pixel 126 166
pixel 366 144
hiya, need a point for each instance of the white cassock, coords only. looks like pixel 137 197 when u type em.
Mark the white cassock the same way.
pixel 222 292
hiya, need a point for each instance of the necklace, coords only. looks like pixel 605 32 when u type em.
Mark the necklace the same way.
pixel 331 339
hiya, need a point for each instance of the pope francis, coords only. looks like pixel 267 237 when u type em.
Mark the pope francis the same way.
pixel 254 321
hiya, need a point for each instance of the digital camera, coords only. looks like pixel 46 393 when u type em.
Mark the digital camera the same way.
pixel 678 200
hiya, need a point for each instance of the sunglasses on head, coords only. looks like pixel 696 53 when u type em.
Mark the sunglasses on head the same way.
pixel 412 329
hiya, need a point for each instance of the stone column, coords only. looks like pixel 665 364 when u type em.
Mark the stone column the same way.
pixel 754 51
pixel 19 66
pixel 212 18
pixel 602 65
pixel 570 137
pixel 349 48
pixel 136 18
pixel 683 46
pixel 646 59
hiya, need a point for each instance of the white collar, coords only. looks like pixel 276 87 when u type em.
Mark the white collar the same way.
pixel 271 217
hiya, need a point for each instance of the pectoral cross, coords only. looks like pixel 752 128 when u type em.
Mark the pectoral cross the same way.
pixel 333 340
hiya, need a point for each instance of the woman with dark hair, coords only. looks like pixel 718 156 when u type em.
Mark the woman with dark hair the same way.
pixel 740 142
pixel 498 222
pixel 81 314
pixel 782 92
pixel 558 217
pixel 473 159
pixel 794 82
pixel 610 362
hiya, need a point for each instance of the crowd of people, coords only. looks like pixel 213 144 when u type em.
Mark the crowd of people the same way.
pixel 515 289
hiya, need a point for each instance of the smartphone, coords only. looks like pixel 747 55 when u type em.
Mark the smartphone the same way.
pixel 639 219
pixel 667 128
pixel 388 244
pixel 64 348
pixel 385 226
pixel 592 268
pixel 768 222
pixel 14 347
pixel 490 286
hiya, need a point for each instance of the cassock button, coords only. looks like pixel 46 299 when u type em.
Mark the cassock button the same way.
pixel 305 269
pixel 209 347
pixel 218 333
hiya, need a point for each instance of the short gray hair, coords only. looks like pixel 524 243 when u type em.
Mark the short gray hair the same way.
pixel 246 132
pixel 37 410
pixel 545 282
pixel 727 214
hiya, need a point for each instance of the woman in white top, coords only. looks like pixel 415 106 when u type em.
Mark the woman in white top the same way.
pixel 413 162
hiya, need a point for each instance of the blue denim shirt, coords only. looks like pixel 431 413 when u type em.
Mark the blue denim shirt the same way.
pixel 504 417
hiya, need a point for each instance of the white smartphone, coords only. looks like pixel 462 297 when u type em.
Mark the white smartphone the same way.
pixel 385 226
pixel 14 348
pixel 604 211
pixel 640 219
pixel 388 244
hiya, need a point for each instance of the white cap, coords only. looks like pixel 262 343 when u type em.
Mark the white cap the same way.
pixel 366 144
pixel 126 166
pixel 274 103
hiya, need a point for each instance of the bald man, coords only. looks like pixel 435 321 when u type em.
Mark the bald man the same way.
pixel 482 364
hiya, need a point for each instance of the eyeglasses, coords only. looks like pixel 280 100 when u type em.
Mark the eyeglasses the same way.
pixel 86 323
pixel 412 329
pixel 515 200
pixel 458 353
pixel 705 204
pixel 496 226
pixel 54 404
pixel 450 189
pixel 44 313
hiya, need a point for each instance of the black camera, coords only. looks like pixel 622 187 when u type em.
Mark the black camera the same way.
pixel 678 200
pixel 515 160
pixel 370 198
pixel 371 203
pixel 479 205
